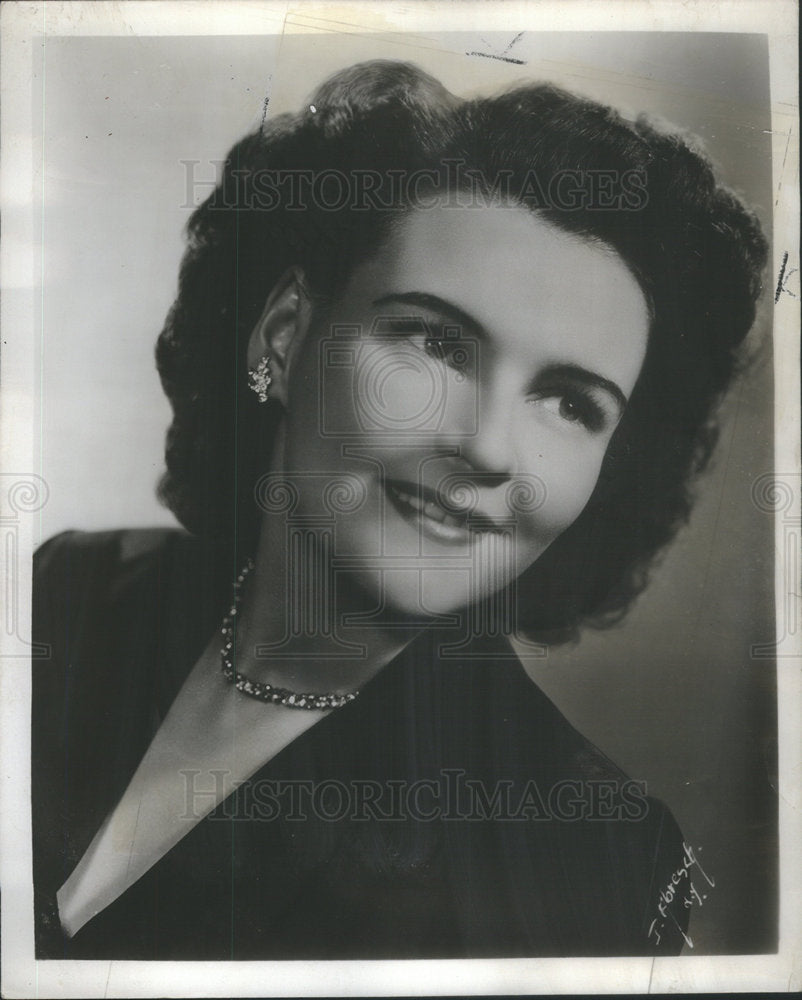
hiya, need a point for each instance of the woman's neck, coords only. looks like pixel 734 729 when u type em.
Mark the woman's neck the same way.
pixel 305 626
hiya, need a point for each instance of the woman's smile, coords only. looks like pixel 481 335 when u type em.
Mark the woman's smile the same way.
pixel 429 513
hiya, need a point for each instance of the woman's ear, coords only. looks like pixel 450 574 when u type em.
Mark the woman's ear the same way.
pixel 281 329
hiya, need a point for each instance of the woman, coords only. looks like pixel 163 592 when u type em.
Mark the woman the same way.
pixel 442 373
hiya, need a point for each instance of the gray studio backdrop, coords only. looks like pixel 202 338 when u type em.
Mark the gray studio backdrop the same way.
pixel 676 695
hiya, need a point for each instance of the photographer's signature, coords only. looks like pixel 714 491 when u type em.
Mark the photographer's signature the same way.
pixel 681 885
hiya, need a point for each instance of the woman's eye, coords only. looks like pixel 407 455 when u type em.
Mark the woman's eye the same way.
pixel 574 407
pixel 431 338
pixel 569 409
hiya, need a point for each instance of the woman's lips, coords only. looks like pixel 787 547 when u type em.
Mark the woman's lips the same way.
pixel 420 506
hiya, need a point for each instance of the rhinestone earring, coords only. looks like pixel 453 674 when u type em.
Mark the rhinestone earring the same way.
pixel 259 378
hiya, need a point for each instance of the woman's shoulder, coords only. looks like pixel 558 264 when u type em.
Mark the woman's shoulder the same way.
pixel 620 837
pixel 85 552
pixel 76 573
pixel 134 596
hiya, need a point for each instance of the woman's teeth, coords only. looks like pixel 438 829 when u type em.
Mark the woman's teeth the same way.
pixel 429 508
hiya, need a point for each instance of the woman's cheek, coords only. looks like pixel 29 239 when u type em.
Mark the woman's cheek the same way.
pixel 568 482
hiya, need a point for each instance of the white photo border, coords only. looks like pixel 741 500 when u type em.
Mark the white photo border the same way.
pixel 25 25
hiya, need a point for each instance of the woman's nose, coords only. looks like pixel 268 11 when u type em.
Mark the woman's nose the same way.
pixel 486 422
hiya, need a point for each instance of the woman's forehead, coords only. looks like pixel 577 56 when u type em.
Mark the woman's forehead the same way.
pixel 530 287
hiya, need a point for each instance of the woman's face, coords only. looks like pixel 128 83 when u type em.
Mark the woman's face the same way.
pixel 466 384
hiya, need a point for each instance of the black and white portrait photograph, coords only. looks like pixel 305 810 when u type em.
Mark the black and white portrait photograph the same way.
pixel 401 498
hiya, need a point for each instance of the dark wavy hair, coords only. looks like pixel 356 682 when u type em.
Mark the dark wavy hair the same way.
pixel 695 249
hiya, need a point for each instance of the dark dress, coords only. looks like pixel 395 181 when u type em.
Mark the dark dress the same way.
pixel 449 812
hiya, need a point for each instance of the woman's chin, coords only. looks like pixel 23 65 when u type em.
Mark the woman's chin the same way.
pixel 423 596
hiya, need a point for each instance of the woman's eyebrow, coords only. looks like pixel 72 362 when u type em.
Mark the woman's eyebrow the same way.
pixel 576 373
pixel 435 304
pixel 571 372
